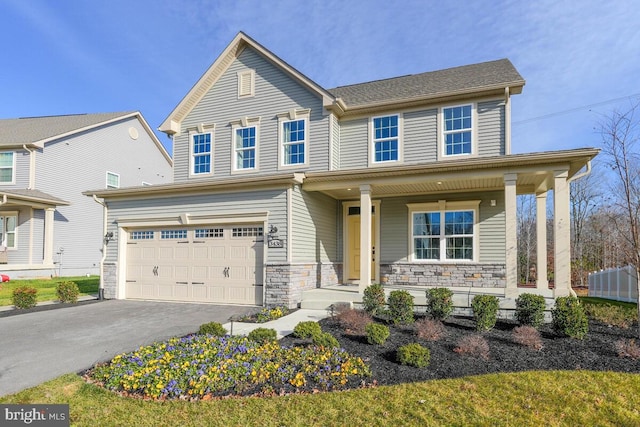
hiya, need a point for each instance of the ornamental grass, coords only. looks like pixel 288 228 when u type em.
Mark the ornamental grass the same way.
pixel 203 366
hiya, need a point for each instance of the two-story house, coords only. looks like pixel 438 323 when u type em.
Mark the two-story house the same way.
pixel 281 185
pixel 47 226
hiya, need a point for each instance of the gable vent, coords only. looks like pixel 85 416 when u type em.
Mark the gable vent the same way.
pixel 246 83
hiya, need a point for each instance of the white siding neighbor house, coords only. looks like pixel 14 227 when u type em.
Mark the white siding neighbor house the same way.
pixel 282 186
pixel 47 226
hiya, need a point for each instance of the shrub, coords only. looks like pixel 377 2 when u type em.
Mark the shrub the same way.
pixel 628 348
pixel 473 345
pixel 569 317
pixel 24 297
pixel 354 321
pixel 67 291
pixel 485 311
pixel 263 335
pixel 530 310
pixel 612 315
pixel 400 307
pixel 439 303
pixel 326 340
pixel 527 336
pixel 212 328
pixel 377 333
pixel 307 329
pixel 429 329
pixel 414 354
pixel 373 299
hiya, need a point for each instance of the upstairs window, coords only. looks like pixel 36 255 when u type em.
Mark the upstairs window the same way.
pixel 8 225
pixel 201 153
pixel 457 128
pixel 7 166
pixel 385 139
pixel 113 180
pixel 245 148
pixel 294 142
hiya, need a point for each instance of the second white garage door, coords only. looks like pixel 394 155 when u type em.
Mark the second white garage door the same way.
pixel 221 264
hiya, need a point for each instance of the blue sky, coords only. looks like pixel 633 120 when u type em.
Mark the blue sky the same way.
pixel 581 59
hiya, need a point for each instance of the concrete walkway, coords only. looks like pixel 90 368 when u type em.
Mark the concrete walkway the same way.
pixel 283 326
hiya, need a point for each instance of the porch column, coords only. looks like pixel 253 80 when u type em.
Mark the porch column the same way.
pixel 48 236
pixel 561 234
pixel 365 237
pixel 541 241
pixel 511 233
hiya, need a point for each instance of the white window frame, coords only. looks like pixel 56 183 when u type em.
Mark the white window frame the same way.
pixel 192 156
pixel 3 217
pixel 292 116
pixel 244 123
pixel 373 141
pixel 12 167
pixel 441 207
pixel 442 149
pixel 243 84
pixel 113 174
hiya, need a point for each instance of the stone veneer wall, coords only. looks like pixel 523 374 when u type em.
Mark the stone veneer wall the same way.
pixel 110 279
pixel 445 275
pixel 284 283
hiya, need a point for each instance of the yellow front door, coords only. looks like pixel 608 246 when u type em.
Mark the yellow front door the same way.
pixel 353 246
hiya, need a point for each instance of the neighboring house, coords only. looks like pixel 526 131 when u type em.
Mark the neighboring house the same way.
pixel 46 225
pixel 281 186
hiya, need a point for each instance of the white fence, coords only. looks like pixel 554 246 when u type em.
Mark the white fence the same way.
pixel 615 283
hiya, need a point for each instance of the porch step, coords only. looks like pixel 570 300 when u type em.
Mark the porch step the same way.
pixel 324 298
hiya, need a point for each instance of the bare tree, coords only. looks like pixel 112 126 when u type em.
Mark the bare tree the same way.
pixel 526 237
pixel 620 135
pixel 584 197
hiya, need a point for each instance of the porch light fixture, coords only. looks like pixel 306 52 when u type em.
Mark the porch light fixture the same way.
pixel 108 237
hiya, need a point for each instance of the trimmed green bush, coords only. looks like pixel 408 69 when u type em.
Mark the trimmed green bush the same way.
pixel 400 307
pixel 67 291
pixel 24 297
pixel 212 328
pixel 373 299
pixel 530 310
pixel 263 335
pixel 326 340
pixel 377 333
pixel 414 355
pixel 439 303
pixel 485 311
pixel 307 329
pixel 569 317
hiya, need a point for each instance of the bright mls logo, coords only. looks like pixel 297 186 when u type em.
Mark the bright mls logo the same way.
pixel 34 415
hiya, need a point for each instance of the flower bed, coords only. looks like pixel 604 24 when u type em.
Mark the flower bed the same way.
pixel 203 366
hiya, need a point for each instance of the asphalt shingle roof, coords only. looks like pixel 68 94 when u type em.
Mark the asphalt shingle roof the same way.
pixel 433 83
pixel 34 129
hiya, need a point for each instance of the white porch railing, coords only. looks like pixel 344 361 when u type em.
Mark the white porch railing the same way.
pixel 619 284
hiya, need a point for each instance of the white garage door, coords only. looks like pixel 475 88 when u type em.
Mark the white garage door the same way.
pixel 221 264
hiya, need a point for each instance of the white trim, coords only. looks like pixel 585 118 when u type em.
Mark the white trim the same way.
pixel 289 241
pixel 345 235
pixel 244 123
pixel 371 139
pixel 474 131
pixel 187 219
pixel 16 214
pixel 201 130
pixel 117 175
pixel 441 207
pixel 251 74
pixel 292 116
pixel 13 168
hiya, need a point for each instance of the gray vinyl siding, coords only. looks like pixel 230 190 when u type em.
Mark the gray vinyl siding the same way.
pixel 67 167
pixel 394 226
pixel 250 202
pixel 354 144
pixel 314 225
pixel 420 136
pixel 26 226
pixel 335 143
pixel 21 171
pixel 38 236
pixel 275 92
pixel 491 141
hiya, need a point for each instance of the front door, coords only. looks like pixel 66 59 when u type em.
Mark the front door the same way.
pixel 353 242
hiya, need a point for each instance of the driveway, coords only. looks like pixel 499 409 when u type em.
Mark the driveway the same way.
pixel 39 346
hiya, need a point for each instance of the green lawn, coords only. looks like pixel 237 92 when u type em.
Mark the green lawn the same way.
pixel 604 301
pixel 549 398
pixel 47 287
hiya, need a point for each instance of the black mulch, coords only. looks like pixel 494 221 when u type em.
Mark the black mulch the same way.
pixel 595 352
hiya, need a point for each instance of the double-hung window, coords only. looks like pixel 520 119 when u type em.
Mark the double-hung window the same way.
pixel 245 148
pixel 7 166
pixel 201 153
pixel 294 141
pixel 443 234
pixel 386 139
pixel 457 130
pixel 8 225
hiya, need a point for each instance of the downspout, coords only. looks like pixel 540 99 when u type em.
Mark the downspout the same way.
pixel 104 246
pixel 580 175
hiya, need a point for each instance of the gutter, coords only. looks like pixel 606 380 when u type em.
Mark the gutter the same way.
pixel 104 246
pixel 582 174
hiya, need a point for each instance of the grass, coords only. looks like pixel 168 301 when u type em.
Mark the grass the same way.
pixel 47 287
pixel 551 398
pixel 604 301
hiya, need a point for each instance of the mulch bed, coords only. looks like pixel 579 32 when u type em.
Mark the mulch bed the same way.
pixel 595 352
